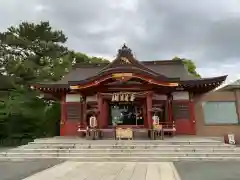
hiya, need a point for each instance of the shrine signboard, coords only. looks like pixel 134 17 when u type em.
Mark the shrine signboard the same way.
pixel 116 97
pixel 124 133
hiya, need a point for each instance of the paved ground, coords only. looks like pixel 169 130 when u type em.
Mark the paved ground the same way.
pixel 208 170
pixel 45 169
pixel 17 170
pixel 108 171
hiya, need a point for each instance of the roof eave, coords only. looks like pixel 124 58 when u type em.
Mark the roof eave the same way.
pixel 205 80
pixel 203 85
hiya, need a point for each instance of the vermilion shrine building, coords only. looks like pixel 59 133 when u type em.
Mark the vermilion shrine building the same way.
pixel 127 92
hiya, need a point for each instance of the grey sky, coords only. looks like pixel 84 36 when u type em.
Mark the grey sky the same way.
pixel 206 31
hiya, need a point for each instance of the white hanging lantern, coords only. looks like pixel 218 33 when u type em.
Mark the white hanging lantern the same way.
pixel 126 97
pixel 116 97
pixel 93 122
pixel 121 97
pixel 113 97
pixel 132 97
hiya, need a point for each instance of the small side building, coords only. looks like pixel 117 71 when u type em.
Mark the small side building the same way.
pixel 217 113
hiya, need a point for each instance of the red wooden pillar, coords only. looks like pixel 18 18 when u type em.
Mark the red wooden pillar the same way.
pixel 84 116
pixel 145 115
pixel 149 109
pixel 63 115
pixel 100 110
pixel 169 106
pixel 192 116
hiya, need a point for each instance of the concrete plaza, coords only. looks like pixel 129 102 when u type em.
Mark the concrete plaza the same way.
pixel 54 169
pixel 70 170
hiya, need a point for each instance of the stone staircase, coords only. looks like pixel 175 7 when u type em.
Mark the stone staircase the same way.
pixel 174 149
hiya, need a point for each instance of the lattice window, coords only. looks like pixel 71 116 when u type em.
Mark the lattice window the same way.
pixel 181 111
pixel 74 112
pixel 220 112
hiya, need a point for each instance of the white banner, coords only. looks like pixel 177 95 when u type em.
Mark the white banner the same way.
pixel 180 95
pixel 73 98
pixel 91 98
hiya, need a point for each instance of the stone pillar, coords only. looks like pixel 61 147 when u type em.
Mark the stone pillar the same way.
pixel 100 110
pixel 149 109
pixel 237 99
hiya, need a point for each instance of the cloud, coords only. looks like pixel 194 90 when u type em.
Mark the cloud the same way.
pixel 206 28
pixel 205 31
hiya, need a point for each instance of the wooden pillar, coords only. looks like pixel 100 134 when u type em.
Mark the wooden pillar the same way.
pixel 100 110
pixel 149 110
pixel 84 111
pixel 192 112
pixel 145 115
pixel 192 116
pixel 169 106
pixel 63 114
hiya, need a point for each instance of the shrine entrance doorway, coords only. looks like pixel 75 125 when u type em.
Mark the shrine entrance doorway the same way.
pixel 127 114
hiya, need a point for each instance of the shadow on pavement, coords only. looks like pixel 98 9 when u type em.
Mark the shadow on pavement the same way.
pixel 208 170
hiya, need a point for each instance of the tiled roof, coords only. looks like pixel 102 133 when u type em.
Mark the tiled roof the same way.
pixel 159 71
pixel 231 86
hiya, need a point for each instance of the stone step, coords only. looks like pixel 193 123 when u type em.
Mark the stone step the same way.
pixel 124 146
pixel 115 155
pixel 128 142
pixel 125 159
pixel 124 150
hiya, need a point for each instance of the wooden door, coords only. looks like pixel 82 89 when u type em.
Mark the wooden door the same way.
pixel 105 112
pixel 73 113
pixel 183 116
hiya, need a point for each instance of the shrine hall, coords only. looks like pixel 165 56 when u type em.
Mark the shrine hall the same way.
pixel 127 93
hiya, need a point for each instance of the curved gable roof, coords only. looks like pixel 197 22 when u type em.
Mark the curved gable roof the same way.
pixel 170 70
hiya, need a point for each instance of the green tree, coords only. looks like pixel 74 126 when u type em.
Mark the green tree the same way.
pixel 83 58
pixel 29 53
pixel 32 53
pixel 190 65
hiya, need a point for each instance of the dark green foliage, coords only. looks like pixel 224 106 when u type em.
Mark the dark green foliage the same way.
pixel 191 67
pixel 52 120
pixel 32 53
pixel 83 58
